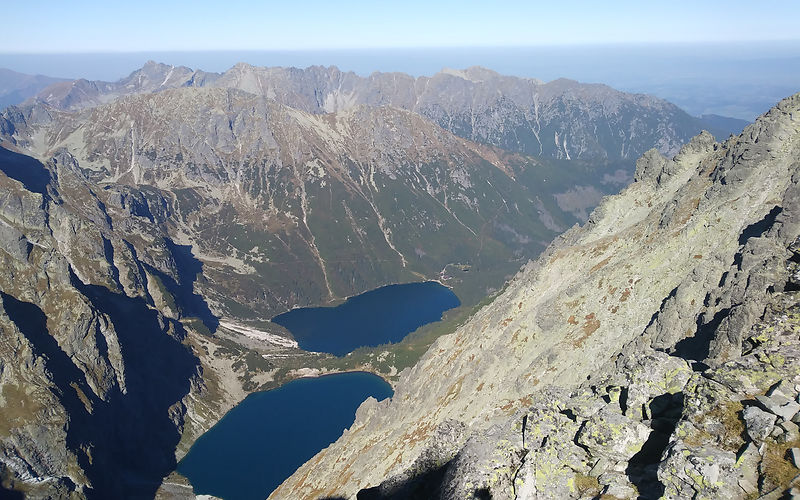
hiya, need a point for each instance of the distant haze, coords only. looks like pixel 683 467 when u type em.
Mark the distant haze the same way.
pixel 145 25
pixel 739 80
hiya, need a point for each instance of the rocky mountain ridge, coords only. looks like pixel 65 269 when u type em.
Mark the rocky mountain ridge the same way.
pixel 636 356
pixel 559 119
pixel 94 377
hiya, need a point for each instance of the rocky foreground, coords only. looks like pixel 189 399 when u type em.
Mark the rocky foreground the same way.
pixel 652 352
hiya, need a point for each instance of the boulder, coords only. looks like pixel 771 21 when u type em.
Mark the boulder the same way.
pixel 794 455
pixel 613 435
pixel 759 423
pixel 779 405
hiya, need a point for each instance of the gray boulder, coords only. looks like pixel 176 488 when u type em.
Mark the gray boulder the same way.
pixel 759 423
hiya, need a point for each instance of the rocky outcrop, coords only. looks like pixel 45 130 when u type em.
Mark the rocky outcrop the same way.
pixel 95 382
pixel 650 352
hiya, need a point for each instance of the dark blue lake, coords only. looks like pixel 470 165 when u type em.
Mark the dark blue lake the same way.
pixel 264 439
pixel 380 316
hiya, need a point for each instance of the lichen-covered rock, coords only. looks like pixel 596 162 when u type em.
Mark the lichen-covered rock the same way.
pixel 699 472
pixel 612 435
pixel 779 405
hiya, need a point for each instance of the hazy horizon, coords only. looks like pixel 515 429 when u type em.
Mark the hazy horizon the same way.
pixel 728 57
pixel 736 79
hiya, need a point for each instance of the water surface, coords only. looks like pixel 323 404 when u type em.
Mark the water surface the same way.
pixel 264 439
pixel 380 316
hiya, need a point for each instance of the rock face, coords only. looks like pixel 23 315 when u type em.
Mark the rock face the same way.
pixel 94 380
pixel 651 352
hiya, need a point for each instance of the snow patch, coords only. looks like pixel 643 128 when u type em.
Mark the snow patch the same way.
pixel 254 333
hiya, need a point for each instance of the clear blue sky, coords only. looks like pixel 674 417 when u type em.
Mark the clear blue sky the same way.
pixel 146 25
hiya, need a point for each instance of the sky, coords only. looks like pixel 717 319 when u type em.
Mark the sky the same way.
pixel 57 26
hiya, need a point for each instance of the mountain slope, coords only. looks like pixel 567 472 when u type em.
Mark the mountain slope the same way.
pixel 256 187
pixel 683 261
pixel 17 87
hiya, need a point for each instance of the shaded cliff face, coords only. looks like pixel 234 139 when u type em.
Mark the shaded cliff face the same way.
pixel 94 380
pixel 680 266
pixel 560 119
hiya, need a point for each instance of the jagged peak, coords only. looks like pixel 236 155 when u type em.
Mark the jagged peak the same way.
pixel 699 144
pixel 242 66
pixel 474 74
pixel 651 164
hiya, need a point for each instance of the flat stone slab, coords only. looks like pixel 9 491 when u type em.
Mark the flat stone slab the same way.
pixel 779 405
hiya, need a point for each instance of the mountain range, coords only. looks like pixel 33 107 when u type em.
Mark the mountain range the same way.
pixel 150 227
pixel 265 148
pixel 17 87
